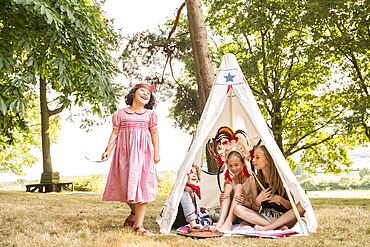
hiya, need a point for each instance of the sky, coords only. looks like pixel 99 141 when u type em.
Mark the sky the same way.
pixel 74 143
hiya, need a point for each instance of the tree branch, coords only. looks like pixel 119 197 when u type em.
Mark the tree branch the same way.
pixel 56 111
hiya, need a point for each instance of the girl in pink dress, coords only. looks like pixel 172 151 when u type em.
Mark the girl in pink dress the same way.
pixel 132 175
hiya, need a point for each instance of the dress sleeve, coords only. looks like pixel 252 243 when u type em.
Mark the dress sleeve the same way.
pixel 153 121
pixel 116 120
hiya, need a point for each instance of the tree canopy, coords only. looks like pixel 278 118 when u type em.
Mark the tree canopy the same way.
pixel 290 53
pixel 60 47
pixel 341 30
pixel 283 63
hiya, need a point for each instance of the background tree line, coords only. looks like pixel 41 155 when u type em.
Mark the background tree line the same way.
pixel 351 181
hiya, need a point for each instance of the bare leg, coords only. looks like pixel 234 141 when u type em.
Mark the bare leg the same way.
pixel 139 213
pixel 131 217
pixel 238 190
pixel 250 216
pixel 285 222
pixel 225 205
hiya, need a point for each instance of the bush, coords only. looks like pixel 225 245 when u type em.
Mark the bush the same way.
pixel 364 172
pixel 365 183
pixel 93 183
pixel 308 185
pixel 322 185
pixel 165 183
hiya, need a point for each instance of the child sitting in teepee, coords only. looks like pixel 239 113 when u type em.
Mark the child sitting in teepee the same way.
pixel 188 211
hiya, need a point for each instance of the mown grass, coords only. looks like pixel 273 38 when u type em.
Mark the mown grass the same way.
pixel 82 219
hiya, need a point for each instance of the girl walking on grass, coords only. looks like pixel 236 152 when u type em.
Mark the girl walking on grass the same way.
pixel 132 175
pixel 271 208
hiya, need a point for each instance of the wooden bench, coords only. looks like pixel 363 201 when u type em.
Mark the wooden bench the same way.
pixel 49 187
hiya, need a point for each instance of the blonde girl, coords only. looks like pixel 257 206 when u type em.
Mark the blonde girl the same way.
pixel 236 191
pixel 271 208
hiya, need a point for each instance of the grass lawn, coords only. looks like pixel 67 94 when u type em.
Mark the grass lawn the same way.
pixel 82 219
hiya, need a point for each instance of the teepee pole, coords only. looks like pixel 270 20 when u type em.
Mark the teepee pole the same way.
pixel 294 207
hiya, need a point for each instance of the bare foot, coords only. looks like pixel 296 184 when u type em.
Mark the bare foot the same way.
pixel 260 228
pixel 266 228
pixel 283 228
pixel 226 226
pixel 218 226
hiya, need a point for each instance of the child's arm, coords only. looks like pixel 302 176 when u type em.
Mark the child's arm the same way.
pixel 255 207
pixel 258 199
pixel 109 149
pixel 155 140
pixel 281 200
pixel 188 209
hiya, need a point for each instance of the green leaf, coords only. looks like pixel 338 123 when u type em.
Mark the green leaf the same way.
pixel 42 9
pixel 2 106
pixel 27 46
pixel 30 62
pixel 7 65
pixel 49 16
pixel 66 102
pixel 12 105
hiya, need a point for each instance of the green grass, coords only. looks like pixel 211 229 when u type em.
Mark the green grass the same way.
pixel 82 219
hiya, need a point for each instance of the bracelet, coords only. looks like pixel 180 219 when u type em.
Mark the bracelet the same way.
pixel 257 205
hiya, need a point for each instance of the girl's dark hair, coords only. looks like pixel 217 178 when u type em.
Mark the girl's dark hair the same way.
pixel 129 98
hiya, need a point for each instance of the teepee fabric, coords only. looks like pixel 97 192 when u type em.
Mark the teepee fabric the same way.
pixel 231 103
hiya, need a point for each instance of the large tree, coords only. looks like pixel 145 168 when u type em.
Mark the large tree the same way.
pixel 341 28
pixel 288 76
pixel 62 48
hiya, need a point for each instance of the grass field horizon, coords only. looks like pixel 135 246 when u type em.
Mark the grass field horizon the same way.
pixel 82 219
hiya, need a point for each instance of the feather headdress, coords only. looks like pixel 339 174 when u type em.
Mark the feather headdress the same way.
pixel 226 141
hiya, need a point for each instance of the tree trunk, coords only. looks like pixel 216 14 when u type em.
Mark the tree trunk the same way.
pixel 202 60
pixel 45 133
pixel 202 56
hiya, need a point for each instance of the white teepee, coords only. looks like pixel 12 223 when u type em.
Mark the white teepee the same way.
pixel 231 103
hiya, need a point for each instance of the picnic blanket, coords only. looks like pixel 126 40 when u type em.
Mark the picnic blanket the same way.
pixel 238 231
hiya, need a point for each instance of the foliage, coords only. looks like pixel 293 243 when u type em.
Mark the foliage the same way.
pixel 17 156
pixel 63 43
pixel 165 183
pixel 346 182
pixel 289 78
pixel 364 172
pixel 71 51
pixel 94 183
pixel 341 30
pixel 149 56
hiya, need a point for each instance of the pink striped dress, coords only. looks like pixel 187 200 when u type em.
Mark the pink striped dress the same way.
pixel 132 175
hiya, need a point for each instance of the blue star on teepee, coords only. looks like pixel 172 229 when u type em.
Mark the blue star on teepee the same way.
pixel 229 77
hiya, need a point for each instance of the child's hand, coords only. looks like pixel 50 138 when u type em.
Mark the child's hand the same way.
pixel 156 158
pixel 105 155
pixel 223 196
pixel 239 199
pixel 265 195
